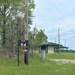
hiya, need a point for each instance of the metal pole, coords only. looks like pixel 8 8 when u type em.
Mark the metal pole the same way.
pixel 18 55
pixel 59 38
pixel 65 43
pixel 43 55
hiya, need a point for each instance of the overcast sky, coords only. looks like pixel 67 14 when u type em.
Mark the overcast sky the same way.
pixel 53 14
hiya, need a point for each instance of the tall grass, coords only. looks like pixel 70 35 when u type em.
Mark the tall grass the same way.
pixel 36 66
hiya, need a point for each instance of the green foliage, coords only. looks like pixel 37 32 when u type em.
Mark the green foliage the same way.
pixel 36 38
pixel 41 37
pixel 12 21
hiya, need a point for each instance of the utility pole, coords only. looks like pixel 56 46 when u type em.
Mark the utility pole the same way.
pixel 23 44
pixel 59 38
pixel 26 31
pixel 26 21
pixel 65 43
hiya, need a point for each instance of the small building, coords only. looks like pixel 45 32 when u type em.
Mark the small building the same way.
pixel 51 47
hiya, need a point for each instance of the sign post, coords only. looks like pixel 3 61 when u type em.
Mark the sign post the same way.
pixel 23 44
pixel 18 55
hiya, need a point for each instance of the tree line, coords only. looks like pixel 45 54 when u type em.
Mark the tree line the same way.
pixel 36 37
pixel 12 24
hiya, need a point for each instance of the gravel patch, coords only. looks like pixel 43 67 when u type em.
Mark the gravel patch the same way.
pixel 64 61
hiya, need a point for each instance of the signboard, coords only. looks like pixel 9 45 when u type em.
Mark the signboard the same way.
pixel 23 44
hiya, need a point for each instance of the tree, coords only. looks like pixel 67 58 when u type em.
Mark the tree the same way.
pixel 36 38
pixel 7 7
pixel 12 21
pixel 40 38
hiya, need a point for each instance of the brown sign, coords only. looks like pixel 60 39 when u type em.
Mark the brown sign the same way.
pixel 23 47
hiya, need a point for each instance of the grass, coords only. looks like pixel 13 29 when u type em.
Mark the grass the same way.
pixel 38 67
pixel 61 56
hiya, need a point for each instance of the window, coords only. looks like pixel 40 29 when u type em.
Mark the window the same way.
pixel 43 47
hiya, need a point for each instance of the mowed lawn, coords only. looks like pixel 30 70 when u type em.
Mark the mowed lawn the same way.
pixel 38 67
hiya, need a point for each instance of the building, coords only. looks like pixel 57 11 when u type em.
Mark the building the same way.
pixel 51 47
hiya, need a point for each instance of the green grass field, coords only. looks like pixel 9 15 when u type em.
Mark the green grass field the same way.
pixel 61 56
pixel 38 67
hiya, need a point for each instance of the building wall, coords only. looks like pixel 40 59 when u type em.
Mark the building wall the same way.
pixel 50 49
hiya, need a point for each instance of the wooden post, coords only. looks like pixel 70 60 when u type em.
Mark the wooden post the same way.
pixel 26 31
pixel 18 55
pixel 26 21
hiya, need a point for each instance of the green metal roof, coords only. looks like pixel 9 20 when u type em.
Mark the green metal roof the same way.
pixel 61 46
pixel 52 44
pixel 49 44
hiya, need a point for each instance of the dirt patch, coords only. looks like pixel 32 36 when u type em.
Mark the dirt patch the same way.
pixel 64 61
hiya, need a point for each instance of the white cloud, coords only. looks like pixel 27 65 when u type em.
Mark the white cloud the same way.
pixel 67 24
pixel 54 14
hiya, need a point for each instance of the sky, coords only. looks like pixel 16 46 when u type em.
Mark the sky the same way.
pixel 50 15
